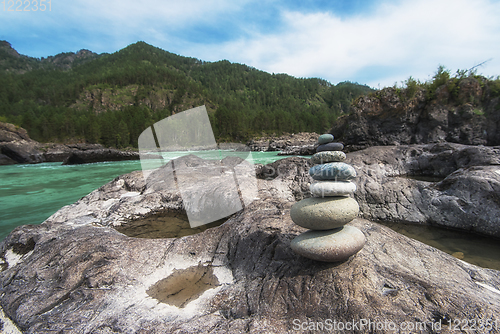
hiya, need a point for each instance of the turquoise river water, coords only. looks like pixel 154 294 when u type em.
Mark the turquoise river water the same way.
pixel 29 194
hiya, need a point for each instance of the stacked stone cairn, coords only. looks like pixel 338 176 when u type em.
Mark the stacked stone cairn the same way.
pixel 326 214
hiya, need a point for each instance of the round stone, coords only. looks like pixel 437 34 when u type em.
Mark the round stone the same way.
pixel 332 188
pixel 329 246
pixel 330 147
pixel 324 213
pixel 328 156
pixel 326 138
pixel 338 171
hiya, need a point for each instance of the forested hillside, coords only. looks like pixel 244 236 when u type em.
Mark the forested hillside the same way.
pixel 112 98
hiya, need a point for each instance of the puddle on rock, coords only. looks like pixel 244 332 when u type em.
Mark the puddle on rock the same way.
pixel 472 248
pixel 184 285
pixel 164 225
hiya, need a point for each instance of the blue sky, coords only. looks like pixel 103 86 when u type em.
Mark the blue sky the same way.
pixel 378 43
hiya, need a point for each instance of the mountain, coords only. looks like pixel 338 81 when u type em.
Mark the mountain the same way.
pixel 112 98
pixel 12 61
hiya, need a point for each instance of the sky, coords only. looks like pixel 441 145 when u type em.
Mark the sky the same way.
pixel 378 43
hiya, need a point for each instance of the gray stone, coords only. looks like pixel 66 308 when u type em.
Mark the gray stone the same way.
pixel 329 246
pixel 324 139
pixel 330 147
pixel 332 188
pixel 328 156
pixel 324 213
pixel 337 171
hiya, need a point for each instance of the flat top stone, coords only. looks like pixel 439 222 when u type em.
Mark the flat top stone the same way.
pixel 330 147
pixel 326 138
pixel 328 156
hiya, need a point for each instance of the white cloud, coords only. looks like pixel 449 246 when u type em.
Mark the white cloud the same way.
pixel 403 39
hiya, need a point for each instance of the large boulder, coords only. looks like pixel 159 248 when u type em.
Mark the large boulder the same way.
pixel 76 273
pixel 16 146
pixel 446 184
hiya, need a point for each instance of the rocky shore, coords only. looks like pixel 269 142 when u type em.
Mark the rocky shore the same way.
pixel 17 147
pixel 76 273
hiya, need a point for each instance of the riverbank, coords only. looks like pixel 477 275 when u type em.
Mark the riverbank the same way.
pixel 16 147
pixel 246 262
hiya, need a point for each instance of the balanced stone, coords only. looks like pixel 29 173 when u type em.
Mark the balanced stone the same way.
pixel 324 213
pixel 326 138
pixel 332 188
pixel 330 147
pixel 328 156
pixel 329 246
pixel 338 171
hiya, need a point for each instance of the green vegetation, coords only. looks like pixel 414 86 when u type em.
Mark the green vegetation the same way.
pixel 112 98
pixel 457 89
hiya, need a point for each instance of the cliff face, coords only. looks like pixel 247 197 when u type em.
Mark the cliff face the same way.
pixel 466 113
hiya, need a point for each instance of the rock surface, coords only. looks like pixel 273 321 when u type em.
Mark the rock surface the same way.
pixel 75 273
